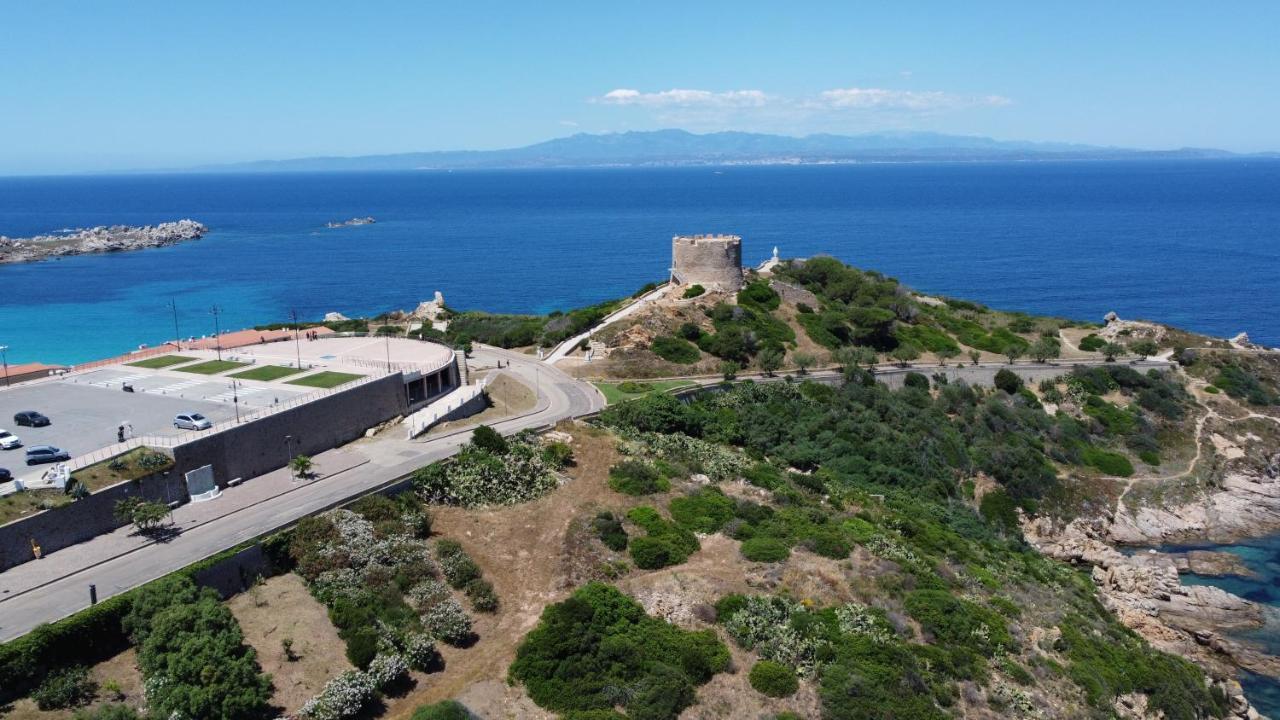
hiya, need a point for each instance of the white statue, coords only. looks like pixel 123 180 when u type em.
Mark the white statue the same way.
pixel 775 253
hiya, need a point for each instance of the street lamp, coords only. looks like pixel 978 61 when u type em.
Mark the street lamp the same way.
pixel 235 398
pixel 5 358
pixel 177 336
pixel 297 345
pixel 217 331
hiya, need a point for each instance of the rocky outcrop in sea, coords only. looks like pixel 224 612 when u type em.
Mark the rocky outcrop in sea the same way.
pixel 101 239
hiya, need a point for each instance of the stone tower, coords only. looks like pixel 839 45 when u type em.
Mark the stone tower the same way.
pixel 712 261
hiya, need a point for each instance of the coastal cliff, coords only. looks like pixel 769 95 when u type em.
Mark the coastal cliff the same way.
pixel 101 239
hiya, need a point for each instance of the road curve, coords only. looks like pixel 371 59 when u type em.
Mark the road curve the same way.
pixel 21 609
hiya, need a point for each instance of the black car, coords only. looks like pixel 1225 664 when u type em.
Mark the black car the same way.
pixel 5 475
pixel 30 418
pixel 46 454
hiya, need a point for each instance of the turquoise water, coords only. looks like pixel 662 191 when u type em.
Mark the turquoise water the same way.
pixel 1191 243
pixel 1262 555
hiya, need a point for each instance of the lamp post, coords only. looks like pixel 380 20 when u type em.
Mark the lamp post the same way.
pixel 4 349
pixel 288 446
pixel 388 344
pixel 217 331
pixel 297 345
pixel 177 336
pixel 235 398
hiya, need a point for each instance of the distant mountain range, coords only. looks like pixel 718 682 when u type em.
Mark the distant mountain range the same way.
pixel 668 148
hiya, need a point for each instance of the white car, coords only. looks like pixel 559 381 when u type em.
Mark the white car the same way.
pixel 192 421
pixel 9 441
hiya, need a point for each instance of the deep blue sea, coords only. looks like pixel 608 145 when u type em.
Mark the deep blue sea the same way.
pixel 1196 244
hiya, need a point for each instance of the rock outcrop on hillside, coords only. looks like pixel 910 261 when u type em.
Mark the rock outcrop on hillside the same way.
pixel 101 239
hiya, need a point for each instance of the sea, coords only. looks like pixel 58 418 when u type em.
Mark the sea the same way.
pixel 1191 243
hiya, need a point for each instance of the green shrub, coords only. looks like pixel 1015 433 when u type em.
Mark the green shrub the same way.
pixel 443 710
pixel 635 477
pixel 959 623
pixel 693 291
pixel 676 350
pixel 728 605
pixel 704 511
pixel 1212 389
pixel 558 454
pixel 598 640
pixel 759 294
pixel 915 380
pixel 66 688
pixel 1000 510
pixel 609 529
pixel 1150 457
pixel 362 646
pixel 1092 343
pixel 773 679
pixel 1008 381
pixel 689 331
pixel 634 388
pixel 666 543
pixel 489 440
pixel 1108 462
pixel 765 549
pixel 483 598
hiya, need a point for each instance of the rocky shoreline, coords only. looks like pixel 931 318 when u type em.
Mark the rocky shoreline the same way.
pixel 1144 592
pixel 101 239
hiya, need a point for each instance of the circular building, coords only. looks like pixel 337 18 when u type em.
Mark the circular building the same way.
pixel 712 261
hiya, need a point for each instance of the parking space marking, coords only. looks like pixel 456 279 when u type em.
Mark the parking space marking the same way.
pixel 177 387
pixel 241 393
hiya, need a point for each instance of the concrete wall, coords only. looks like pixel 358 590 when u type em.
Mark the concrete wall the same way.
pixel 259 447
pixel 83 519
pixel 712 261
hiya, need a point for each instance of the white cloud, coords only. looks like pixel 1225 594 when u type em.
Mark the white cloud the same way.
pixel 905 100
pixel 677 97
pixel 838 99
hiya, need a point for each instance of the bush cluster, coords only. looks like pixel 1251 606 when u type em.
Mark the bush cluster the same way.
pixel 464 574
pixel 665 542
pixel 599 650
pixel 443 710
pixel 66 688
pixel 674 349
pixel 610 531
pixel 192 655
pixel 773 679
pixel 636 477
pixel 481 475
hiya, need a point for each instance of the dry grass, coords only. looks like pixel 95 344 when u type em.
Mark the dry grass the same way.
pixel 122 670
pixel 282 608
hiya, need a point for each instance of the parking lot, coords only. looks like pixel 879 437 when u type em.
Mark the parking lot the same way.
pixel 85 417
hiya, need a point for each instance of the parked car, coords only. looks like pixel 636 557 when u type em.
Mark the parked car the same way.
pixel 5 475
pixel 46 454
pixel 30 418
pixel 9 441
pixel 192 421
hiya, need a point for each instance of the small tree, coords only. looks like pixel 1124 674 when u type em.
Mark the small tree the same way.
pixel 1013 351
pixel 486 438
pixel 770 359
pixel 904 354
pixel 974 356
pixel 1044 349
pixel 804 361
pixel 145 515
pixel 729 369
pixel 1112 350
pixel 945 354
pixel 1143 348
pixel 301 465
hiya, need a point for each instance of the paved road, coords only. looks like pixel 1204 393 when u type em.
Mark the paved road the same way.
pixel 563 349
pixel 391 457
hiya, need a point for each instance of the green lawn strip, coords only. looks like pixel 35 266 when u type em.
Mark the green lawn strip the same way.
pixel 212 367
pixel 161 361
pixel 326 379
pixel 267 373
pixel 614 394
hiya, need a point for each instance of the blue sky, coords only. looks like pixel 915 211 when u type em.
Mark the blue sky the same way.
pixel 113 85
